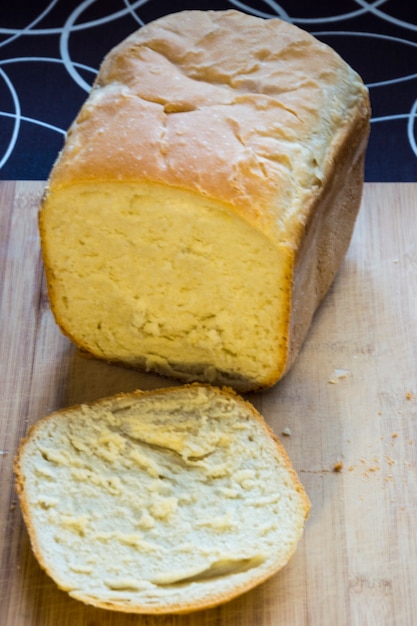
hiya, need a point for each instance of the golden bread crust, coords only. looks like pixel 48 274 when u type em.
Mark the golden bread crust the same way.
pixel 241 109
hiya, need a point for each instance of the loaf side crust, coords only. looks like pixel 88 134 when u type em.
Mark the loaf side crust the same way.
pixel 328 231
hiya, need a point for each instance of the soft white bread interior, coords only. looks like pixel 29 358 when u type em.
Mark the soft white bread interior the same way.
pixel 159 502
pixel 205 197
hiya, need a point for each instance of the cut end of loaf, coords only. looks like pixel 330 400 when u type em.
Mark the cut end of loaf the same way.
pixel 159 502
pixel 166 280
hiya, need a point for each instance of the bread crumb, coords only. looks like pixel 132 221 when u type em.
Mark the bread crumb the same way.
pixel 337 467
pixel 409 395
pixel 394 435
pixel 286 431
pixel 338 374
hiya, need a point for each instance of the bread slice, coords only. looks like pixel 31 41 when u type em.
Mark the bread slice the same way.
pixel 205 198
pixel 165 501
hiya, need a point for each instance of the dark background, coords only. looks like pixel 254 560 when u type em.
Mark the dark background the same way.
pixel 50 52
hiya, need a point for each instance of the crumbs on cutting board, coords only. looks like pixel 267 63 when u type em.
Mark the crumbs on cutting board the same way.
pixel 384 464
pixel 377 464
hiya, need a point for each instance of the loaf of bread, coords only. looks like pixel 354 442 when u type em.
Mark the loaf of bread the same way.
pixel 205 198
pixel 159 502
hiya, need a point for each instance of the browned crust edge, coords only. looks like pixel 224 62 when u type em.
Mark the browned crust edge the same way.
pixel 327 233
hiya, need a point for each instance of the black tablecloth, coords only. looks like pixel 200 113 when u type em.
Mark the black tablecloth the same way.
pixel 50 52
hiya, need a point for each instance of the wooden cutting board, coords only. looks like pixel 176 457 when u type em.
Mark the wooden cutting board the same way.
pixel 348 406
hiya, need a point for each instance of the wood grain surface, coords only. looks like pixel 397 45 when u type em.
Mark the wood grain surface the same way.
pixel 348 406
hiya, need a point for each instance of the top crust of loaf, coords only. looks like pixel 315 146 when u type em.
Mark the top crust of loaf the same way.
pixel 244 110
pixel 165 501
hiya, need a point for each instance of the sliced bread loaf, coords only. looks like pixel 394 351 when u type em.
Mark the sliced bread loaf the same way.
pixel 159 502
